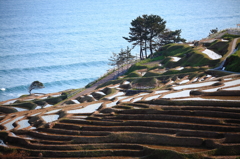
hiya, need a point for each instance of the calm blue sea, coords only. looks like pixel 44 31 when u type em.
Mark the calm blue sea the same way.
pixel 66 43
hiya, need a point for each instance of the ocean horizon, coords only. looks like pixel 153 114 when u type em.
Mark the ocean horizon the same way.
pixel 67 44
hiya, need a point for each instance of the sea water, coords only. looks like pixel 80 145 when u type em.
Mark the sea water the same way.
pixel 67 44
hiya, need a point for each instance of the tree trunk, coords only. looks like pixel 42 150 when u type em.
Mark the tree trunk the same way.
pixel 141 52
pixel 145 48
pixel 150 47
pixel 30 91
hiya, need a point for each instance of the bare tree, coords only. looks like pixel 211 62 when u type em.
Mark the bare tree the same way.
pixel 119 59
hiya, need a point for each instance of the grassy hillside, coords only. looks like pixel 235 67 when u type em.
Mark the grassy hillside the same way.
pixel 233 62
pixel 190 62
pixel 191 58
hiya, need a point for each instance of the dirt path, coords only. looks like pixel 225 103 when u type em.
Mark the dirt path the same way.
pixel 233 46
pixel 229 54
pixel 110 77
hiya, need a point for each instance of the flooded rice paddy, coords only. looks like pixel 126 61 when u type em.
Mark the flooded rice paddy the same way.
pixel 50 118
pixel 88 109
pixel 9 125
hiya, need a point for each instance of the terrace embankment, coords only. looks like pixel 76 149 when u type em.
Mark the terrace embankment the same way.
pixel 145 130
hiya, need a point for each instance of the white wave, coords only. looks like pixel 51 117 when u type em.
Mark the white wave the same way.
pixel 3 89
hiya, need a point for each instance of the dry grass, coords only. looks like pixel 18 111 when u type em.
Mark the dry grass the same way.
pixel 15 155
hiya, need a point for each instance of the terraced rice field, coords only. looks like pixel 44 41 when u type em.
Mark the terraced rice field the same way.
pixel 165 123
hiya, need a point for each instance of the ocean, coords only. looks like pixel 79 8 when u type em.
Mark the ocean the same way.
pixel 66 44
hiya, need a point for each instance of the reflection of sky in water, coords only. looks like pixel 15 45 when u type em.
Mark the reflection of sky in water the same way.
pixel 36 114
pixel 101 93
pixel 50 118
pixel 233 88
pixel 152 97
pixel 9 125
pixel 212 99
pixel 184 81
pixel 127 100
pixel 184 93
pixel 115 86
pixel 76 101
pixel 88 109
pixel 161 91
pixel 116 95
pixel 19 109
pixel 9 102
pixel 53 111
pixel 231 83
pixel 49 105
pixel 38 107
pixel 194 85
pixel 137 99
pixel 143 94
pixel 2 143
pixel 111 104
pixel 23 124
pixel 5 121
pixel 226 84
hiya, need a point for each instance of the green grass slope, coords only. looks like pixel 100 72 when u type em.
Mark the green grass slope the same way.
pixel 190 57
pixel 233 61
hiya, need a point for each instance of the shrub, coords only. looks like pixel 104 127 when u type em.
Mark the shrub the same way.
pixel 108 91
pixel 55 100
pixel 3 134
pixel 27 105
pixel 40 102
pixel 229 36
pixel 7 109
pixel 150 82
pixel 232 62
pixel 133 74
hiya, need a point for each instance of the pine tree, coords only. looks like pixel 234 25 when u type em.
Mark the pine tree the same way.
pixel 168 36
pixel 35 85
pixel 143 32
pixel 136 34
